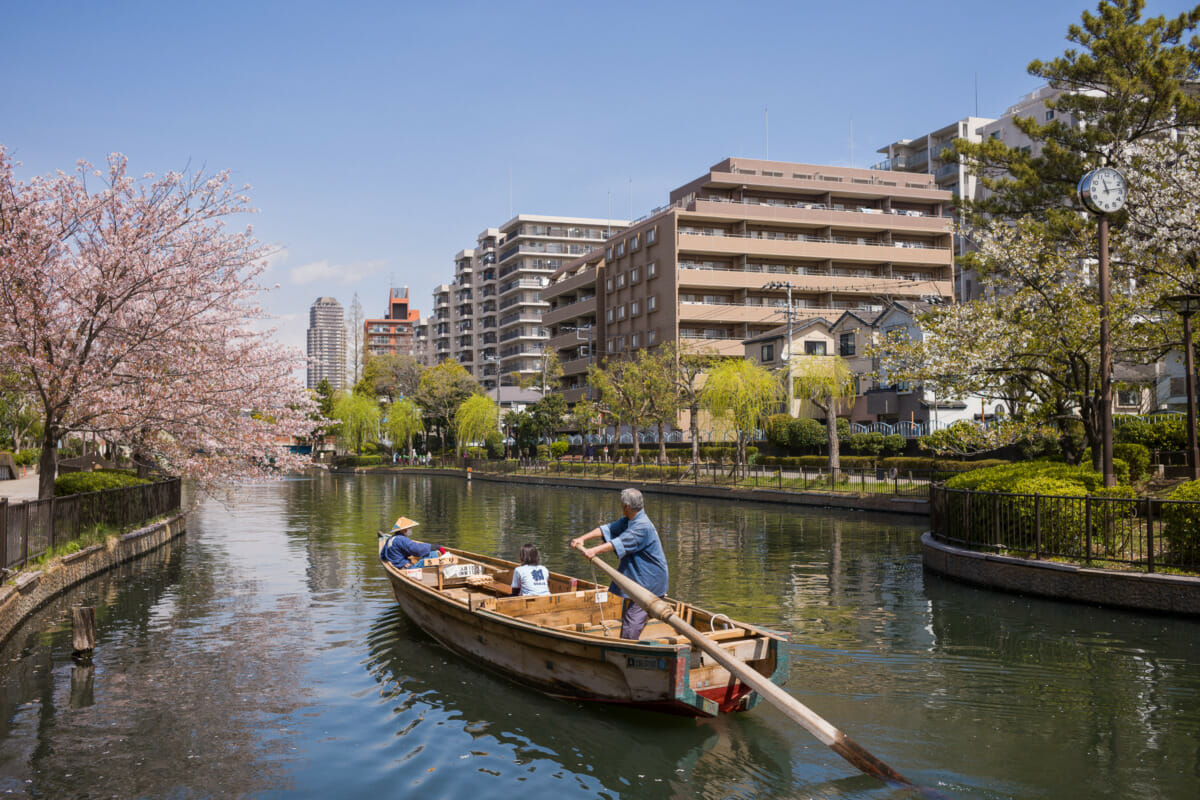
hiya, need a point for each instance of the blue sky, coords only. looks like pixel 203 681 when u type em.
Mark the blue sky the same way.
pixel 381 137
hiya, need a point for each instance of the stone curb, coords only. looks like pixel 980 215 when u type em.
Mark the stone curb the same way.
pixel 29 591
pixel 1169 594
pixel 883 504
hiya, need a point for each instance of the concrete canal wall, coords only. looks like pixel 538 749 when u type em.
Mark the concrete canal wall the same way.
pixel 882 503
pixel 30 589
pixel 1173 594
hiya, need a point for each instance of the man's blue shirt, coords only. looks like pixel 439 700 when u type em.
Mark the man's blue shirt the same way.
pixel 636 542
pixel 399 547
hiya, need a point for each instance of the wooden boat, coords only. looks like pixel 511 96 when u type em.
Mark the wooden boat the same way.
pixel 567 644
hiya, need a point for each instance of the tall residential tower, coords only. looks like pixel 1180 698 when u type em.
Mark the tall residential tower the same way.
pixel 326 343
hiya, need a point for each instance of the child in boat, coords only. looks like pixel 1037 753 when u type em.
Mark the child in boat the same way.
pixel 399 548
pixel 531 577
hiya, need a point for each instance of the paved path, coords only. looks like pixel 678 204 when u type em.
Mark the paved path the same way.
pixel 21 489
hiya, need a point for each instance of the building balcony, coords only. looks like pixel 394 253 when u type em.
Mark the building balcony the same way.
pixel 849 215
pixel 579 308
pixel 574 283
pixel 818 283
pixel 813 248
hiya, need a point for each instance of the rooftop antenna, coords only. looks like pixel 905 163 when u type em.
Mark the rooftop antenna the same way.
pixel 631 199
pixel 510 193
pixel 852 140
pixel 767 132
pixel 608 230
pixel 977 94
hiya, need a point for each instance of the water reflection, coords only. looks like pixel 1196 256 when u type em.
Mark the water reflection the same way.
pixel 264 656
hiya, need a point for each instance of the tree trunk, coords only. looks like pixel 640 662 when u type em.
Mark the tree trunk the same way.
pixel 695 430
pixel 662 443
pixel 48 463
pixel 835 461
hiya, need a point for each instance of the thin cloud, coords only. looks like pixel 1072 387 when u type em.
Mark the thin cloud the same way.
pixel 345 274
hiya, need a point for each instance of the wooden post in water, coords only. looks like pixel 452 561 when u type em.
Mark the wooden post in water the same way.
pixel 83 619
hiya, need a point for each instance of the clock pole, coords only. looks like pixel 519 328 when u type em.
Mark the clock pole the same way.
pixel 1106 419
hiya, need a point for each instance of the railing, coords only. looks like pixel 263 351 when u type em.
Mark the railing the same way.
pixel 1143 533
pixel 909 484
pixel 804 237
pixel 31 529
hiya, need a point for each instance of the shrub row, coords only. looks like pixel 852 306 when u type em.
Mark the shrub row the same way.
pixel 99 480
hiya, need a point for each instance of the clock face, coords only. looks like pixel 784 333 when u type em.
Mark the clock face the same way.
pixel 1103 190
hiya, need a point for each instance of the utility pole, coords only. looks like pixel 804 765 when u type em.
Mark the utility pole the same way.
pixel 787 287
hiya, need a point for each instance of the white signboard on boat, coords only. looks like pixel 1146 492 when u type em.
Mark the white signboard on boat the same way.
pixel 461 570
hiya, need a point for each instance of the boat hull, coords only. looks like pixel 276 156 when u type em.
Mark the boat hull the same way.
pixel 653 674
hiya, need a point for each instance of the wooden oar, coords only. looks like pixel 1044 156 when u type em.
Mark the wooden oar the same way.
pixel 830 736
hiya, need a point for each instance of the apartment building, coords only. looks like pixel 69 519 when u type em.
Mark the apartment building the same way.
pixel 490 318
pixel 719 264
pixel 396 333
pixel 571 320
pixel 326 343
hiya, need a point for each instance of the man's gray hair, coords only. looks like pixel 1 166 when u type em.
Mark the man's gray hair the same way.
pixel 633 499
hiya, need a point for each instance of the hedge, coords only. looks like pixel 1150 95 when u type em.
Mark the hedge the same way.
pixel 358 461
pixel 83 482
pixel 1181 523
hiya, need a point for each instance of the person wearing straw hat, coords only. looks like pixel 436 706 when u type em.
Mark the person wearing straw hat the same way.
pixel 402 550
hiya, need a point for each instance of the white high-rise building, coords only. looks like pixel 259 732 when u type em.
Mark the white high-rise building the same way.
pixel 326 343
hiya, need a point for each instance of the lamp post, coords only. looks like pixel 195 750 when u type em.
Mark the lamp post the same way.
pixel 1185 305
pixel 788 288
pixel 1103 191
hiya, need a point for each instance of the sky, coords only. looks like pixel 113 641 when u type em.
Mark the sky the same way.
pixel 380 138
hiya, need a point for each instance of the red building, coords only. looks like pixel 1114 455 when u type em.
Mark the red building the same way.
pixel 395 334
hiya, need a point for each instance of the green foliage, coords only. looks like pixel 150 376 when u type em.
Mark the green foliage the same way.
pixel 1025 477
pixel 543 451
pixel 26 458
pixel 1163 434
pixel 359 416
pixel 894 443
pixel 494 443
pixel 806 433
pixel 867 444
pixel 358 461
pixel 560 448
pixel 843 428
pixel 1181 523
pixel 82 482
pixel 776 428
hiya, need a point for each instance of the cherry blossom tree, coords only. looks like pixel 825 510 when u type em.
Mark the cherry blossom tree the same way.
pixel 127 309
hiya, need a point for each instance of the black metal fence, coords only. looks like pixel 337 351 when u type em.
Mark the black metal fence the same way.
pixel 908 483
pixel 29 530
pixel 1144 533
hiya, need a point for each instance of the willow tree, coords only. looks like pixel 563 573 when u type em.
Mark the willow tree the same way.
pixel 658 372
pixel 689 370
pixel 824 382
pixel 403 422
pixel 743 393
pixel 474 419
pixel 443 389
pixel 359 416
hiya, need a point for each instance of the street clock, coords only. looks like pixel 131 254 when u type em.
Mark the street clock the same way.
pixel 1103 190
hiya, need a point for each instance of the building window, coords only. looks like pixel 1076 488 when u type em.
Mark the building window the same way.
pixel 768 354
pixel 608 284
pixel 1129 397
pixel 633 275
pixel 651 303
pixel 620 249
pixel 620 281
pixel 612 345
pixel 634 243
pixel 610 315
pixel 846 345
pixel 651 270
pixel 651 336
pixel 652 235
pixel 633 308
pixel 634 341
pixel 610 254
pixel 621 312
pixel 1049 114
pixel 814 348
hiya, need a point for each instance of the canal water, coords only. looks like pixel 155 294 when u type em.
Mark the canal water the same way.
pixel 263 656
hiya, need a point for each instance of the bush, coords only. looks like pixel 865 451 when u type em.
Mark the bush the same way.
pixel 806 433
pixel 1137 456
pixel 82 482
pixel 1181 523
pixel 25 458
pixel 560 448
pixel 358 461
pixel 1016 477
pixel 543 452
pixel 494 442
pixel 1165 434
pixel 894 444
pixel 777 429
pixel 870 444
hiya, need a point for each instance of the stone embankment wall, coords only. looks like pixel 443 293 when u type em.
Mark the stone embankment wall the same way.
pixel 886 504
pixel 30 590
pixel 1172 594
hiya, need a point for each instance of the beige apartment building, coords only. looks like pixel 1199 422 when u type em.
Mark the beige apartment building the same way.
pixel 716 266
